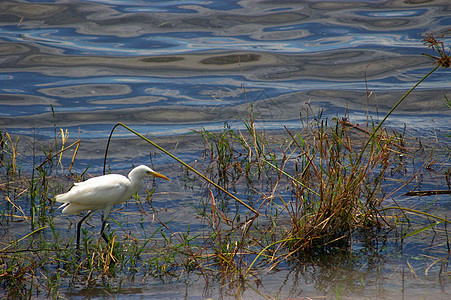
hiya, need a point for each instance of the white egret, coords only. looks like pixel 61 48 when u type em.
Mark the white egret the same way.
pixel 103 192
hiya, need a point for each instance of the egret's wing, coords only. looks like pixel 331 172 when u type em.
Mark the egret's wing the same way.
pixel 96 193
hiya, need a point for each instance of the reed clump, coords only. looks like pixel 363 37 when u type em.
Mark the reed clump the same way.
pixel 333 178
pixel 336 184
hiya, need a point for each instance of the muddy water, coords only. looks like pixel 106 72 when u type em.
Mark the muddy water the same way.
pixel 167 67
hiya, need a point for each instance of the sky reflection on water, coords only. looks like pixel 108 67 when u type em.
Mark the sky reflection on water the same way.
pixel 178 53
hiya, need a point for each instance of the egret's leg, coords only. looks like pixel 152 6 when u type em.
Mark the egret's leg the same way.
pixel 79 226
pixel 106 213
pixel 102 232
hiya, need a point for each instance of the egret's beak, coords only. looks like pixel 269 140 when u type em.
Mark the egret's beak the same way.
pixel 158 175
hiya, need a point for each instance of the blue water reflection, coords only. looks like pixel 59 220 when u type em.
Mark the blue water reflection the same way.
pixel 173 6
pixel 126 56
pixel 393 13
pixel 317 38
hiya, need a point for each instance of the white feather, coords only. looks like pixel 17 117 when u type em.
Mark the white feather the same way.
pixel 104 191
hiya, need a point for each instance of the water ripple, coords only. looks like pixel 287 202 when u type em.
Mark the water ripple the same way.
pixel 393 13
pixel 126 57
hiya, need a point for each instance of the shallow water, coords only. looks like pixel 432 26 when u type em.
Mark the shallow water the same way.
pixel 167 67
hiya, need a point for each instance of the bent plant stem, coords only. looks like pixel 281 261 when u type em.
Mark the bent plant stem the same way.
pixel 292 178
pixel 263 250
pixel 177 159
pixel 415 212
pixel 393 108
pixel 77 143
pixel 26 236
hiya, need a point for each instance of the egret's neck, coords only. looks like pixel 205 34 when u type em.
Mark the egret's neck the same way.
pixel 137 181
